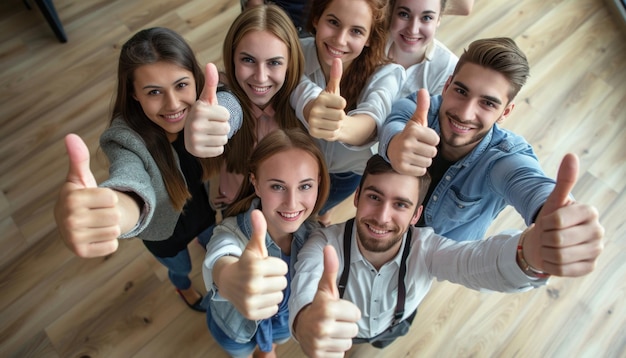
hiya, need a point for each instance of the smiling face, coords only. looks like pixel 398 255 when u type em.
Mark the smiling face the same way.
pixel 473 101
pixel 288 184
pixel 387 204
pixel 261 66
pixel 342 31
pixel 413 27
pixel 165 92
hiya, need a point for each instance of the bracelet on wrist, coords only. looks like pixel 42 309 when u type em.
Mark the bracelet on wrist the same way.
pixel 524 265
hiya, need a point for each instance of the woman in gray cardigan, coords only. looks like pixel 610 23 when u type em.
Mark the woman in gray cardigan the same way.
pixel 156 190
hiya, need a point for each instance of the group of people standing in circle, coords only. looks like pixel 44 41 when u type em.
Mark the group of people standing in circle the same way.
pixel 284 134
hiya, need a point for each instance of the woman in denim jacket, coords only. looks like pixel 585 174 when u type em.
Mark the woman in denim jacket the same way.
pixel 248 266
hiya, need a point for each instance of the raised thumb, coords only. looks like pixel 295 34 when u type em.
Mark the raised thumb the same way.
pixel 334 80
pixel 565 181
pixel 211 81
pixel 328 281
pixel 420 116
pixel 78 154
pixel 259 229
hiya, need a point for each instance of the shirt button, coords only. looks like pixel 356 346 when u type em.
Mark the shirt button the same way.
pixel 434 197
pixel 447 177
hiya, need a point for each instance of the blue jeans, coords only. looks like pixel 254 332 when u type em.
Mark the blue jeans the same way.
pixel 342 185
pixel 178 269
pixel 280 333
pixel 205 236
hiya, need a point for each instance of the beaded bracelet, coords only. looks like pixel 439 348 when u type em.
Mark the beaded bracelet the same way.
pixel 524 265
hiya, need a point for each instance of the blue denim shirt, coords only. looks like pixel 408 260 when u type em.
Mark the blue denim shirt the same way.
pixel 231 237
pixel 501 170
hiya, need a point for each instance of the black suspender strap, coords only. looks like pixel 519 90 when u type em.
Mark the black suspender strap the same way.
pixel 347 237
pixel 343 280
pixel 401 275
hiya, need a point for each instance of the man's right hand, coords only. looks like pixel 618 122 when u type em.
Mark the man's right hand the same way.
pixel 325 328
pixel 87 216
pixel 412 150
pixel 207 126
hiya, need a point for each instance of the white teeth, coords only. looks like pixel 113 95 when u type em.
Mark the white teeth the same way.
pixel 379 232
pixel 290 215
pixel 260 89
pixel 173 116
pixel 454 124
pixel 335 52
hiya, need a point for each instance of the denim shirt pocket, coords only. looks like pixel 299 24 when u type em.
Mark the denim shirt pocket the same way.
pixel 459 208
pixel 231 322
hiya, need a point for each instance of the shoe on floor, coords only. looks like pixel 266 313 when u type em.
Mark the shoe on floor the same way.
pixel 196 306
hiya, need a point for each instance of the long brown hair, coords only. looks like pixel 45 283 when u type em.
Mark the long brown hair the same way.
pixel 274 20
pixel 276 142
pixel 356 76
pixel 149 46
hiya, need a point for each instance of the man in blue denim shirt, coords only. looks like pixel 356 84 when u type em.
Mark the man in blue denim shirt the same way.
pixel 477 168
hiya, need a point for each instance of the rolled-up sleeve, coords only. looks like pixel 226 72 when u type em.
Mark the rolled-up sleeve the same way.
pixel 380 93
pixel 309 268
pixel 488 264
pixel 224 242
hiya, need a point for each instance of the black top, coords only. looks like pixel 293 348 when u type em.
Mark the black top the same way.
pixel 197 214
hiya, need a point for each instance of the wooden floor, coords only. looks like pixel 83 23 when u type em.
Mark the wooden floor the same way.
pixel 53 304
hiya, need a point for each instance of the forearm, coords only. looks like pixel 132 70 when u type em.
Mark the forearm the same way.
pixel 296 320
pixel 358 130
pixel 130 210
pixel 222 274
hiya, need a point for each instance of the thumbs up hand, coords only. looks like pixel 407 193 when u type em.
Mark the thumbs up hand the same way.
pixel 327 112
pixel 566 239
pixel 254 283
pixel 87 216
pixel 411 151
pixel 207 126
pixel 326 326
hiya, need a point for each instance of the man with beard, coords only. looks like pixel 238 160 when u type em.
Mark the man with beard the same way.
pixel 477 168
pixel 370 289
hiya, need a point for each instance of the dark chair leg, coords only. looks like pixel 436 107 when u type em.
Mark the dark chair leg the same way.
pixel 50 13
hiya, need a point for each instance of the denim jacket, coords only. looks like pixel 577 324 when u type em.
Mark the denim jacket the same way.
pixel 501 170
pixel 230 238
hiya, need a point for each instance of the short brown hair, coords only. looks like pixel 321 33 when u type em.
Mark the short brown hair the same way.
pixel 377 165
pixel 500 54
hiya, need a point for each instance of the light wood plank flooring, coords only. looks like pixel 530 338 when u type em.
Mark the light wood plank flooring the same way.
pixel 53 304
